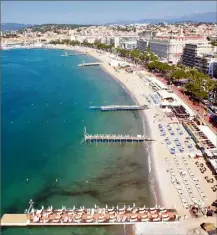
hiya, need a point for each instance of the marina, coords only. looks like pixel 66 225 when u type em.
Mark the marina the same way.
pixel 89 216
pixel 119 107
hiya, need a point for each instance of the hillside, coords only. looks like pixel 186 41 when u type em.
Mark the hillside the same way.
pixel 13 26
pixel 47 27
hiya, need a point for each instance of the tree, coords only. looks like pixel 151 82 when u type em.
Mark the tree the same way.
pixel 196 89
pixel 178 74
pixel 214 43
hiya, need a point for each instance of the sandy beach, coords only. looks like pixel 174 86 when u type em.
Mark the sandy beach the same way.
pixel 164 170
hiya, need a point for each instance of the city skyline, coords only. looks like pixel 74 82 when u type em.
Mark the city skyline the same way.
pixel 95 12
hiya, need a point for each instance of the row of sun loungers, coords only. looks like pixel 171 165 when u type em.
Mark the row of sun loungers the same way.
pixel 147 98
pixel 101 215
pixel 175 181
pixel 176 140
pixel 185 181
pixel 194 180
pixel 154 98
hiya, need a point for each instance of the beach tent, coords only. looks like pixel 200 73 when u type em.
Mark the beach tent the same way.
pixel 208 153
pixel 214 204
pixel 209 213
pixel 208 132
pixel 167 103
pixel 214 164
pixel 199 153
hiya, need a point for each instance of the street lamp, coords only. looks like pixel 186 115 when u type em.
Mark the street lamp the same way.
pixel 30 205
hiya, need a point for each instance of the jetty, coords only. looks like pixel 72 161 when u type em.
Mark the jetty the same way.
pixel 73 54
pixel 89 64
pixel 95 216
pixel 115 138
pixel 119 107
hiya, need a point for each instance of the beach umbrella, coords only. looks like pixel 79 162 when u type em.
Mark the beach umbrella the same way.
pixel 106 206
pixel 95 206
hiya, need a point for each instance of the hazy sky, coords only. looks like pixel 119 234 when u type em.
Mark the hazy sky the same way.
pixel 93 12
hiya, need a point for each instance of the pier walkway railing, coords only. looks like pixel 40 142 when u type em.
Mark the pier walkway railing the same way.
pixel 90 216
pixel 115 138
pixel 119 107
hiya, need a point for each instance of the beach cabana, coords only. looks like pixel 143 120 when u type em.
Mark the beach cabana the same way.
pixel 208 132
pixel 213 163
pixel 165 95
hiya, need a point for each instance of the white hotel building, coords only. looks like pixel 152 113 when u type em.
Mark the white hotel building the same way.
pixel 171 48
pixel 126 42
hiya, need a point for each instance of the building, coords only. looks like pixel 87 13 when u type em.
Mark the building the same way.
pixel 201 56
pixel 212 69
pixel 126 42
pixel 144 39
pixel 142 45
pixel 189 55
pixel 147 35
pixel 171 48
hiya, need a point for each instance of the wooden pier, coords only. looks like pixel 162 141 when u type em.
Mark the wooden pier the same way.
pixel 73 54
pixel 89 64
pixel 119 107
pixel 115 138
pixel 89 216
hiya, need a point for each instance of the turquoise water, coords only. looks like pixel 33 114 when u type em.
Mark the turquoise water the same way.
pixel 45 100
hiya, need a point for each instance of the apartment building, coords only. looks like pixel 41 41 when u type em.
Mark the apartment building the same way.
pixel 192 53
pixel 201 56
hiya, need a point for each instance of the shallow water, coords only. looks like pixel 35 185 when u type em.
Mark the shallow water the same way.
pixel 45 100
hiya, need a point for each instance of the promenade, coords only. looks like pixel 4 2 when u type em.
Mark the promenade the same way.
pixel 199 110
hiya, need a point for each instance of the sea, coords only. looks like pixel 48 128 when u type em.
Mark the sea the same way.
pixel 45 99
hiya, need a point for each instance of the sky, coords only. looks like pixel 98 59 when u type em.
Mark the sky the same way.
pixel 97 12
